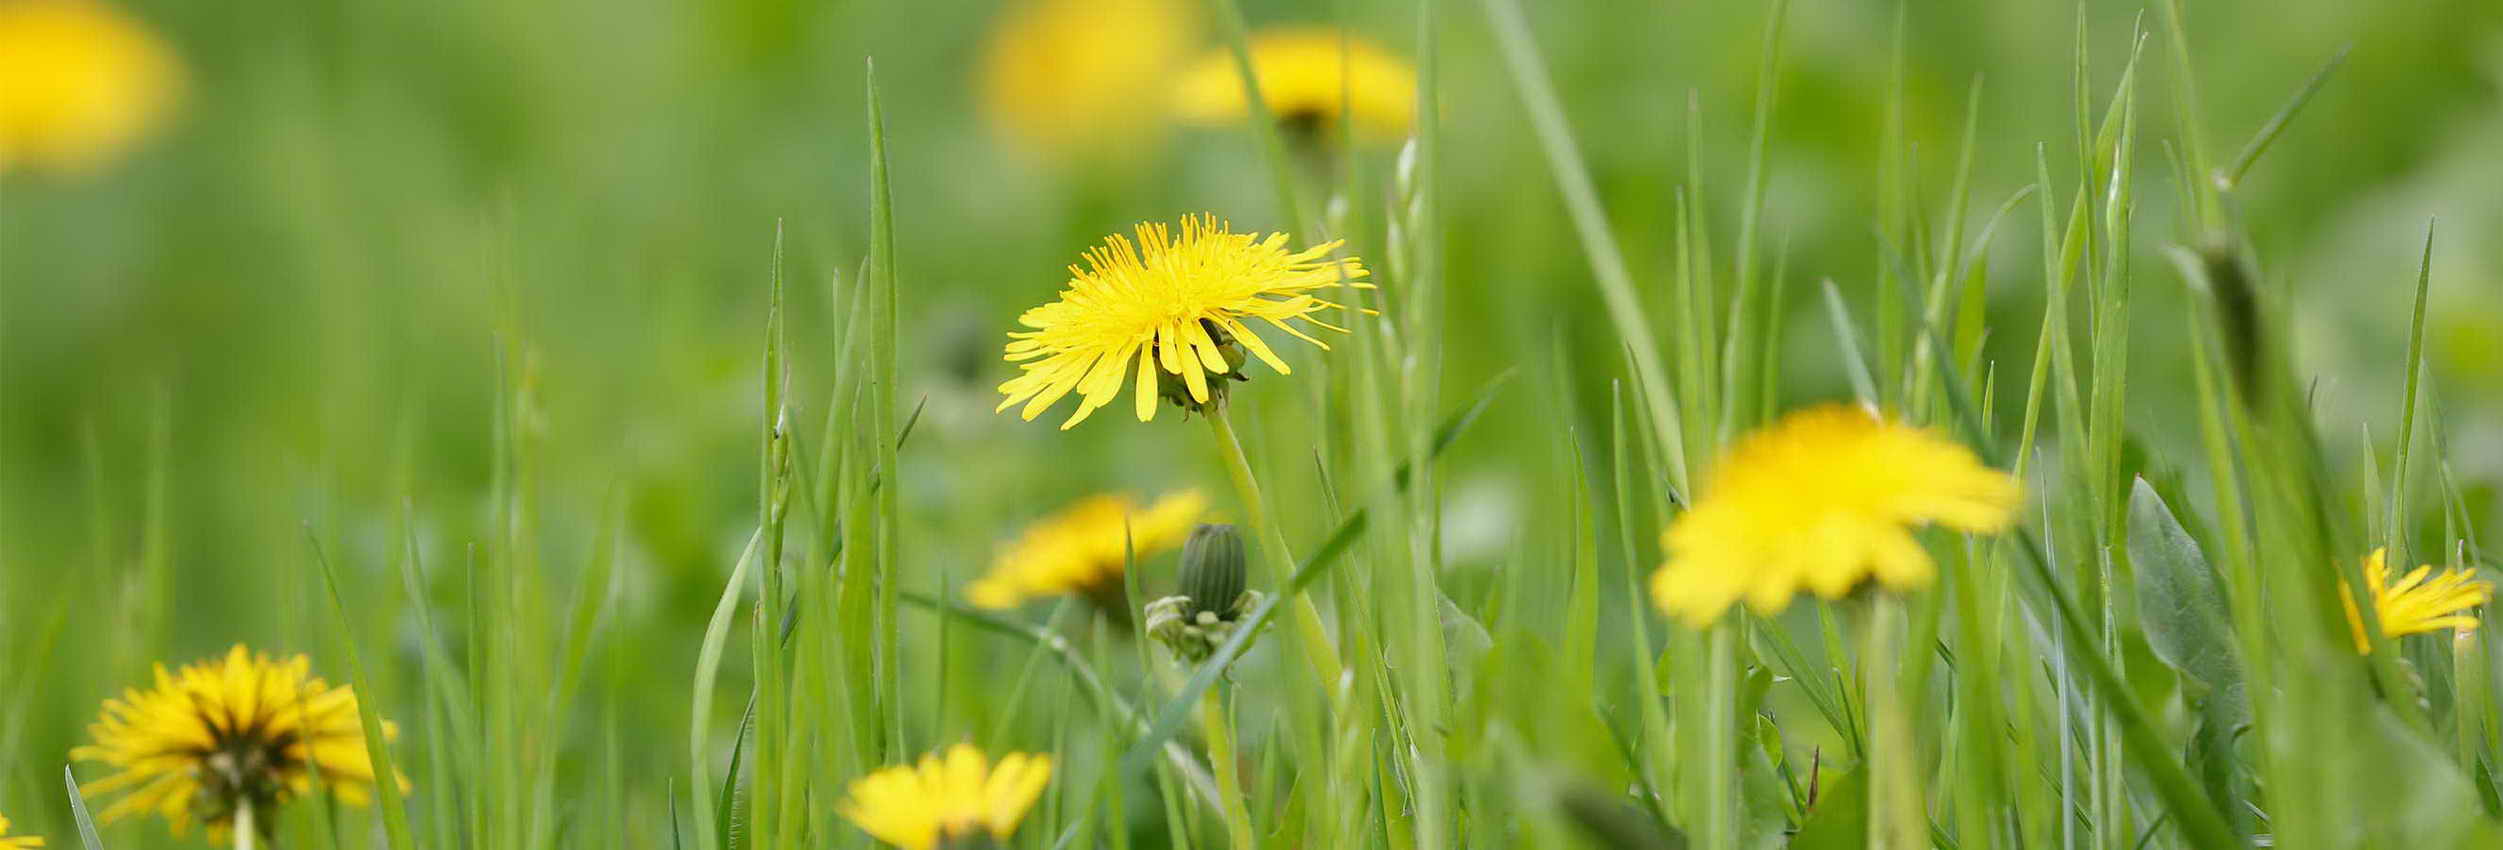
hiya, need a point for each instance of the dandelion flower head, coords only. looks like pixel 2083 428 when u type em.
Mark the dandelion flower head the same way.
pixel 2418 602
pixel 960 796
pixel 1309 77
pixel 22 842
pixel 1824 500
pixel 1081 78
pixel 79 82
pixel 242 729
pixel 1083 548
pixel 1178 305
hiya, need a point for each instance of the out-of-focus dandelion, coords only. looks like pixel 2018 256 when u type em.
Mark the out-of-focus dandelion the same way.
pixel 1083 548
pixel 22 842
pixel 2418 602
pixel 1310 77
pixel 960 801
pixel 1078 79
pixel 79 83
pixel 1175 306
pixel 1824 500
pixel 227 741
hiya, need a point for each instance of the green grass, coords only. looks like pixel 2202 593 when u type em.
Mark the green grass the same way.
pixel 605 392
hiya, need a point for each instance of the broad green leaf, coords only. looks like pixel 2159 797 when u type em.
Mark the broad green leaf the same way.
pixel 2180 603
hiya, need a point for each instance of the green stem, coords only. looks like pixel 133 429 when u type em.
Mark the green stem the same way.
pixel 1318 651
pixel 246 831
pixel 1220 732
pixel 1720 738
pixel 1896 818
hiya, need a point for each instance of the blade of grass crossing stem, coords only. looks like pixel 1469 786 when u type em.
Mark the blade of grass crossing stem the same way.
pixel 377 745
pixel 1590 221
pixel 1178 708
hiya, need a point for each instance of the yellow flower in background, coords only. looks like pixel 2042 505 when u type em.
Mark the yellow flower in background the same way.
pixel 1083 548
pixel 23 842
pixel 961 797
pixel 1824 500
pixel 1175 304
pixel 1308 77
pixel 226 733
pixel 79 82
pixel 2414 605
pixel 1084 78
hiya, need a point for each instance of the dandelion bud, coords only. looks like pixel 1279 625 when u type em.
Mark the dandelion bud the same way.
pixel 1212 602
pixel 1212 567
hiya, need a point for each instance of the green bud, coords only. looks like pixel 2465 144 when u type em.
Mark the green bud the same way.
pixel 1213 568
pixel 1173 388
pixel 1212 601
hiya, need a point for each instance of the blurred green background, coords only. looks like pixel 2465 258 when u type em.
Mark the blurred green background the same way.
pixel 292 307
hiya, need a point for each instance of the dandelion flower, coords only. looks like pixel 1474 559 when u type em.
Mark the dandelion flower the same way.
pixel 1824 500
pixel 23 842
pixel 950 802
pixel 2415 605
pixel 79 81
pixel 1083 548
pixel 227 733
pixel 1309 76
pixel 1083 78
pixel 1174 305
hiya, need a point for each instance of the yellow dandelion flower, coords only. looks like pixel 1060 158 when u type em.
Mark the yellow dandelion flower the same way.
pixel 22 842
pixel 1175 305
pixel 1083 548
pixel 959 798
pixel 1083 77
pixel 79 81
pixel 1823 500
pixel 1309 76
pixel 2415 605
pixel 228 733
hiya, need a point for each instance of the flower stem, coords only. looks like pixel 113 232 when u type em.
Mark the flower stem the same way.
pixel 246 831
pixel 1896 817
pixel 1318 651
pixel 1220 732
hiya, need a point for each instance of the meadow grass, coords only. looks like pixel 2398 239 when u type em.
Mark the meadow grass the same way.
pixel 2157 653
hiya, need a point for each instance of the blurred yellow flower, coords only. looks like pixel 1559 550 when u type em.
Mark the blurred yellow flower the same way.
pixel 962 797
pixel 2415 605
pixel 1308 76
pixel 79 82
pixel 1083 548
pixel 1082 78
pixel 225 734
pixel 1175 304
pixel 23 842
pixel 1824 500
